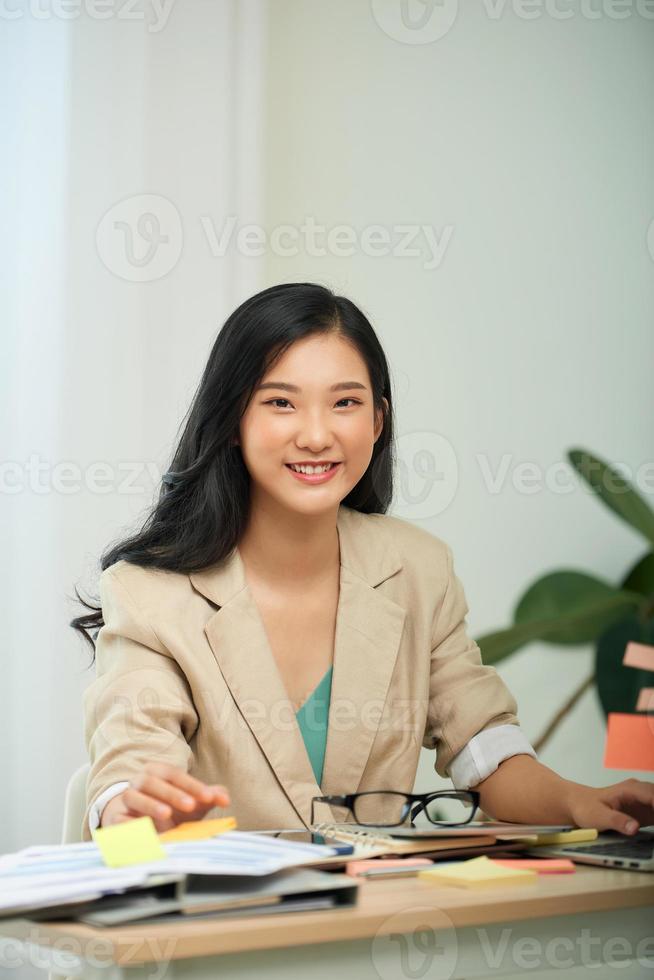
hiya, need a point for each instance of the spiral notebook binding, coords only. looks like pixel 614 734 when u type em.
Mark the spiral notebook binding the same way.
pixel 358 836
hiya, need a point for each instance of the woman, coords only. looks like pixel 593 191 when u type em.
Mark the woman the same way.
pixel 270 635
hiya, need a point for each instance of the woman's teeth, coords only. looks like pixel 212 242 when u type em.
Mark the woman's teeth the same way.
pixel 311 469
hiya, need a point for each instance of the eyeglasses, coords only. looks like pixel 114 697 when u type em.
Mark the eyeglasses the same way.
pixel 387 808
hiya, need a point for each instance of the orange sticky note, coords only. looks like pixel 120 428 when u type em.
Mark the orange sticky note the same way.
pixel 639 655
pixel 198 829
pixel 629 742
pixel 130 842
pixel 544 866
pixel 645 699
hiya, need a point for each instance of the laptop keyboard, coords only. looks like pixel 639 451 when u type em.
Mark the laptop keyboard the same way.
pixel 640 846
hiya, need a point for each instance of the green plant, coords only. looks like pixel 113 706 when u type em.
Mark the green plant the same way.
pixel 569 607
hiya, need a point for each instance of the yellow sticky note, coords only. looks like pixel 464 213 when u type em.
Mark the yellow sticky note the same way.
pixel 131 842
pixel 566 836
pixel 479 872
pixel 199 829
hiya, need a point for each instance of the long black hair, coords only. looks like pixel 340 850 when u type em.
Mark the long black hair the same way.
pixel 203 503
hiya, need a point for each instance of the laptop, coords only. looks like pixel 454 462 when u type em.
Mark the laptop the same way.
pixel 610 848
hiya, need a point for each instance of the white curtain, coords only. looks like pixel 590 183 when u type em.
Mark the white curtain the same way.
pixel 128 144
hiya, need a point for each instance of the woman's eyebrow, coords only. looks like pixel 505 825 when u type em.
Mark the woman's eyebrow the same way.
pixel 340 386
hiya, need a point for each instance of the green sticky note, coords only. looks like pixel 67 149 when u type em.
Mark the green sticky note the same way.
pixel 132 842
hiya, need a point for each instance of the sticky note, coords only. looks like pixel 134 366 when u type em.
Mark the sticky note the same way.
pixel 130 842
pixel 629 742
pixel 542 866
pixel 645 699
pixel 479 872
pixel 567 836
pixel 639 655
pixel 198 829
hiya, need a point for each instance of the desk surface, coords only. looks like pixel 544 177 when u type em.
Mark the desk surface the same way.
pixel 384 905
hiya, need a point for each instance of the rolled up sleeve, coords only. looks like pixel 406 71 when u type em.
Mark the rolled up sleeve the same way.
pixel 465 695
pixel 139 707
pixel 485 751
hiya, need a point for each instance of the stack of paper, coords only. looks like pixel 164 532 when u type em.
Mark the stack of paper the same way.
pixel 38 877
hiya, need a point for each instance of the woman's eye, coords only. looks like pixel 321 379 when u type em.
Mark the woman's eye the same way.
pixel 274 401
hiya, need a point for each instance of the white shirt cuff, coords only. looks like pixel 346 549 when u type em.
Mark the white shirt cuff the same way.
pixel 98 805
pixel 484 752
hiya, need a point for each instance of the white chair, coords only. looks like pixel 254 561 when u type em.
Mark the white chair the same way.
pixel 74 810
pixel 75 805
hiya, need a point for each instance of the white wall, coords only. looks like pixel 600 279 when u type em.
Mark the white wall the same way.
pixel 100 366
pixel 34 72
pixel 531 140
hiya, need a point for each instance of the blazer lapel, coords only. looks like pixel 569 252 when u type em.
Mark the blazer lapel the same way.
pixel 368 632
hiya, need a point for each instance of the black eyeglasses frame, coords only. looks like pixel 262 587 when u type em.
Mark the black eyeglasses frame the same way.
pixel 422 799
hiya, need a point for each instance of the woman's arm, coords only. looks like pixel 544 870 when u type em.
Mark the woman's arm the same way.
pixel 466 696
pixel 523 790
pixel 139 722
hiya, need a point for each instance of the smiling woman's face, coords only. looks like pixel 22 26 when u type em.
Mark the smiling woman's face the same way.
pixel 301 416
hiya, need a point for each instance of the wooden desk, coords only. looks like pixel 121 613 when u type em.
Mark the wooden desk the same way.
pixel 402 928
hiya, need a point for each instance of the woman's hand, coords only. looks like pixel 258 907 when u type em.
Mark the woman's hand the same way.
pixel 624 806
pixel 167 794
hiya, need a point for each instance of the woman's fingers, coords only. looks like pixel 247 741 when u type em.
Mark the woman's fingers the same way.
pixel 601 808
pixel 637 795
pixel 188 784
pixel 631 803
pixel 615 819
pixel 145 805
pixel 165 792
pixel 117 811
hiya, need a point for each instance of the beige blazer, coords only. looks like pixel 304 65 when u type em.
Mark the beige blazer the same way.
pixel 185 674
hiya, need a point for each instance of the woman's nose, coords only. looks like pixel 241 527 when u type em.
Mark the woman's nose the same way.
pixel 314 435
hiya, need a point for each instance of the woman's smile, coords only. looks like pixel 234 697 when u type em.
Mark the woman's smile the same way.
pixel 318 476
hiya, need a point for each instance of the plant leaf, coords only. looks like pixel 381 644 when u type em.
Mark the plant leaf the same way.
pixel 580 602
pixel 641 576
pixel 588 621
pixel 617 685
pixel 615 491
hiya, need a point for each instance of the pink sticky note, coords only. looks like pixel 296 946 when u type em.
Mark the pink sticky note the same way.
pixel 629 742
pixel 645 699
pixel 366 864
pixel 544 866
pixel 639 655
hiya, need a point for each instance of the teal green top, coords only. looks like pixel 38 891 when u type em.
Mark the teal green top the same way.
pixel 312 720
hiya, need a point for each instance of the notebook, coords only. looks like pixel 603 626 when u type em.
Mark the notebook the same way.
pixel 366 839
pixel 486 829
